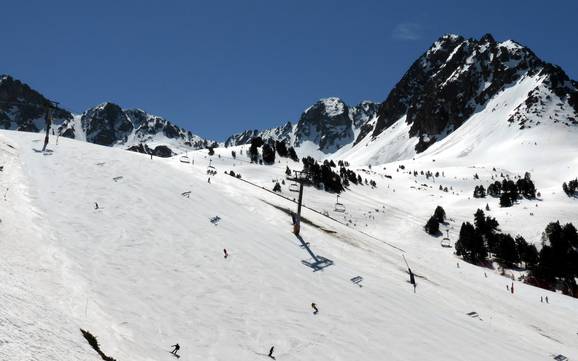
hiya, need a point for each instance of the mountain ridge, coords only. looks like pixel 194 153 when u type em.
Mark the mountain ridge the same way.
pixel 450 82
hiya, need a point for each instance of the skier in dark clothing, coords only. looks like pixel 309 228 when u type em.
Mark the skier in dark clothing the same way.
pixel 271 352
pixel 176 349
pixel 315 309
pixel 95 205
pixel 225 252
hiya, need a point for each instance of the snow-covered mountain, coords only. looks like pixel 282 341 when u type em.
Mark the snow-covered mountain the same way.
pixel 454 81
pixel 22 108
pixel 459 80
pixel 322 129
pixel 108 124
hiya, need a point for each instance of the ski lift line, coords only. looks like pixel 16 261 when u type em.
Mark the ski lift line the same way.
pixel 326 216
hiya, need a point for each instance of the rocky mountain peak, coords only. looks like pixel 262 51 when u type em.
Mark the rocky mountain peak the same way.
pixel 454 77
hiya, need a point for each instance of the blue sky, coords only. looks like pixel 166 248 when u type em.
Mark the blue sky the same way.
pixel 219 67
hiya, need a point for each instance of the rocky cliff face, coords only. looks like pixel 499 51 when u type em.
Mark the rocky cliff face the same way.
pixel 453 78
pixel 108 124
pixel 24 109
pixel 328 125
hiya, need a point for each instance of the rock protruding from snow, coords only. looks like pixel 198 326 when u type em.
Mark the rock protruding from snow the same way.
pixel 106 124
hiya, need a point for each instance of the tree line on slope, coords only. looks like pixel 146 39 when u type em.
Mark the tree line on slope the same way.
pixel 508 191
pixel 555 266
pixel 571 188
pixel 268 150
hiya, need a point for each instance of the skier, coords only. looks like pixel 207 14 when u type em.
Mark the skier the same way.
pixel 541 299
pixel 176 349
pixel 412 279
pixel 457 264
pixel 314 306
pixel 209 180
pixel 271 352
pixel 547 299
pixel 95 205
pixel 512 288
pixel 225 252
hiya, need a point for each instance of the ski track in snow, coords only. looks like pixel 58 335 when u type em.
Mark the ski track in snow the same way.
pixel 146 270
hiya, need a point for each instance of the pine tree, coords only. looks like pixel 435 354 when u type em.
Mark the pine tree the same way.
pixel 268 154
pixel 432 226
pixel 440 214
pixel 528 252
pixel 470 244
pixel 505 200
pixel 507 251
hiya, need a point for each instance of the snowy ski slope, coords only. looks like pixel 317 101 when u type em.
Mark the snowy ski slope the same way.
pixel 146 269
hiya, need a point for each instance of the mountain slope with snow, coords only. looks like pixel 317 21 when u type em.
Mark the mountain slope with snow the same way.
pixel 470 84
pixel 146 269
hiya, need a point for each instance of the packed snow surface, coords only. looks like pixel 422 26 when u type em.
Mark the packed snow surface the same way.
pixel 146 269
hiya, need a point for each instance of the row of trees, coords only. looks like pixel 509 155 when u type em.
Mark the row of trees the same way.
pixel 571 188
pixel 482 241
pixel 508 191
pixel 269 150
pixel 322 174
pixel 555 266
pixel 330 179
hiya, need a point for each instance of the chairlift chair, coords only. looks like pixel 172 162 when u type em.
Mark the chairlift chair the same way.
pixel 339 207
pixel 294 187
pixel 446 240
pixel 185 159
pixel 446 243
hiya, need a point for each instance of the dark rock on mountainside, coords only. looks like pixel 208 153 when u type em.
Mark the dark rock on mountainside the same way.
pixel 106 124
pixel 326 123
pixel 24 109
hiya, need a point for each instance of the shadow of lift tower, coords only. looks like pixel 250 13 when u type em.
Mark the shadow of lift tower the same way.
pixel 316 262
